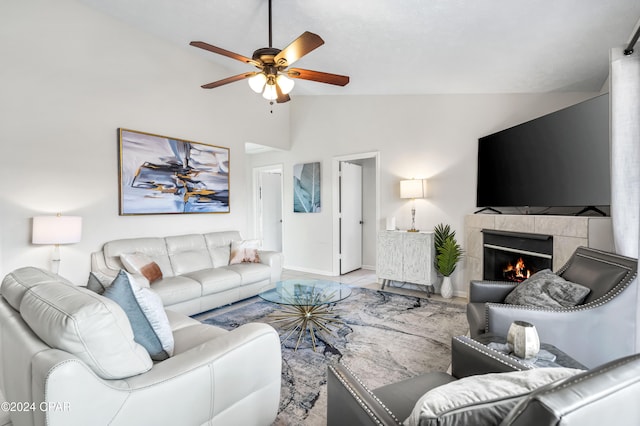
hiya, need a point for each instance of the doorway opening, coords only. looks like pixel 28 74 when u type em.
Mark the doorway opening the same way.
pixel 268 187
pixel 356 211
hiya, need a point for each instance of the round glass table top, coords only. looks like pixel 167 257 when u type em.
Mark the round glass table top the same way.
pixel 306 292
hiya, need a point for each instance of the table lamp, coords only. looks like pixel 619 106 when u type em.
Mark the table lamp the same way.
pixel 56 230
pixel 413 188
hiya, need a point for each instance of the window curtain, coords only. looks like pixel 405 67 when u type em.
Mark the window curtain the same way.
pixel 625 151
pixel 625 158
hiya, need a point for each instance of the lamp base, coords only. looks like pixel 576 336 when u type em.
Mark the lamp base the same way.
pixel 413 230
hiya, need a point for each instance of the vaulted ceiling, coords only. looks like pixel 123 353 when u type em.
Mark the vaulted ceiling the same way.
pixel 407 46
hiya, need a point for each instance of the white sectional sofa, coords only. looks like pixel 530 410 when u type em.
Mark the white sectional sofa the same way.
pixel 195 269
pixel 68 358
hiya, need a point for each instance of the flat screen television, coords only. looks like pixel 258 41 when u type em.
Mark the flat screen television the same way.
pixel 557 160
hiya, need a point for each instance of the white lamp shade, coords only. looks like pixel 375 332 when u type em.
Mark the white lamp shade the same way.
pixel 285 83
pixel 56 229
pixel 413 188
pixel 257 82
pixel 270 93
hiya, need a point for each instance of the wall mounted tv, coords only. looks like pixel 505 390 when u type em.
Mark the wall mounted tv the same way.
pixel 557 160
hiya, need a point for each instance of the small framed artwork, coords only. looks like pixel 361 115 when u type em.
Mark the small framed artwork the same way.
pixel 306 188
pixel 165 175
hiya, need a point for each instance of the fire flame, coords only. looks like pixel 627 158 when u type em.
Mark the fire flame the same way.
pixel 518 271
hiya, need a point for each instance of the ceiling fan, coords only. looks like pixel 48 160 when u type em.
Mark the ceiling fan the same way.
pixel 273 78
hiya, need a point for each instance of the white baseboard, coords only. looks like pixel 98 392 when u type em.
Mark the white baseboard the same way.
pixel 320 272
pixel 309 270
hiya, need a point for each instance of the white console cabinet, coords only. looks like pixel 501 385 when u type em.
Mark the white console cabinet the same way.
pixel 406 257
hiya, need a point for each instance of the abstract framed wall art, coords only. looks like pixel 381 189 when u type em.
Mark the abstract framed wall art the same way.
pixel 306 188
pixel 164 175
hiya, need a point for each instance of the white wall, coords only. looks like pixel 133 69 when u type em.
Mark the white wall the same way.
pixel 69 78
pixel 430 136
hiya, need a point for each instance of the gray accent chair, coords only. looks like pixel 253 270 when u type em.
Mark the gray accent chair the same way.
pixel 593 398
pixel 599 330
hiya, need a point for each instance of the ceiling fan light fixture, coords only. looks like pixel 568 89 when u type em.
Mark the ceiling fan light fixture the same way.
pixel 270 92
pixel 257 82
pixel 272 77
pixel 285 83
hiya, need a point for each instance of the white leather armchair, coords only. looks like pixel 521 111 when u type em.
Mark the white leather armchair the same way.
pixel 215 376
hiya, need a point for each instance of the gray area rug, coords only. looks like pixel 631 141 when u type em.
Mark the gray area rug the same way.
pixel 386 338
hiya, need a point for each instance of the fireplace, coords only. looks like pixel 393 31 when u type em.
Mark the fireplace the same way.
pixel 514 256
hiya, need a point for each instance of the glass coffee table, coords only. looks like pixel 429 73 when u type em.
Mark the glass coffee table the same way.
pixel 306 305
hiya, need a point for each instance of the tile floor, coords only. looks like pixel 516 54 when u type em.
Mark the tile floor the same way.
pixel 365 278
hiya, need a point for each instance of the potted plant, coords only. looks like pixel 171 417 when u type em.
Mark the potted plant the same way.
pixel 448 254
pixel 440 233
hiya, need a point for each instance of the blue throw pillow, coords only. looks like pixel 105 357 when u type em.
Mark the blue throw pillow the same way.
pixel 147 317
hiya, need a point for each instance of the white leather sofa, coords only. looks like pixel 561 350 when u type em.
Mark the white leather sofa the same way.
pixel 68 358
pixel 195 269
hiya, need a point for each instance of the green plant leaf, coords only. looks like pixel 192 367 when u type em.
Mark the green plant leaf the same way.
pixel 440 233
pixel 449 256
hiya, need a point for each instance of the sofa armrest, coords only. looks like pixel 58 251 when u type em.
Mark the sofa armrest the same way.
pixel 350 402
pixel 489 291
pixel 275 260
pixel 99 265
pixel 470 358
pixel 235 377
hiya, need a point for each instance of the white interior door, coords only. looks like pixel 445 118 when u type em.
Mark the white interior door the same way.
pixel 271 210
pixel 350 217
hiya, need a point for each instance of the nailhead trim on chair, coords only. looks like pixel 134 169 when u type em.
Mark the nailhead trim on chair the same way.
pixel 565 382
pixel 359 400
pixel 605 298
pixel 491 353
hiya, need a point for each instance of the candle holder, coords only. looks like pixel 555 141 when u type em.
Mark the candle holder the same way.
pixel 523 339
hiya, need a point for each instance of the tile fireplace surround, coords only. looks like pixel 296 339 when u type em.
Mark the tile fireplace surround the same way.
pixel 568 233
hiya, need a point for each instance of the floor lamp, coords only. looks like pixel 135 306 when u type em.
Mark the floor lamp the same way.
pixel 56 230
pixel 413 188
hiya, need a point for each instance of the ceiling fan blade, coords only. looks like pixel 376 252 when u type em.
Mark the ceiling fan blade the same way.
pixel 282 98
pixel 228 80
pixel 322 77
pixel 298 48
pixel 224 52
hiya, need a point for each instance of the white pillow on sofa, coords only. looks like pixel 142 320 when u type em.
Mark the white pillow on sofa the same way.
pixel 244 251
pixel 141 264
pixel 481 400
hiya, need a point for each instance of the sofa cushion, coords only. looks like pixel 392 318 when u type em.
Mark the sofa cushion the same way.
pixel 87 325
pixel 215 280
pixel 141 264
pixel 251 272
pixel 155 248
pixel 547 290
pixel 178 320
pixel 188 253
pixel 219 246
pixel 189 261
pixel 196 334
pixel 177 289
pixel 146 315
pixel 481 400
pixel 244 251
